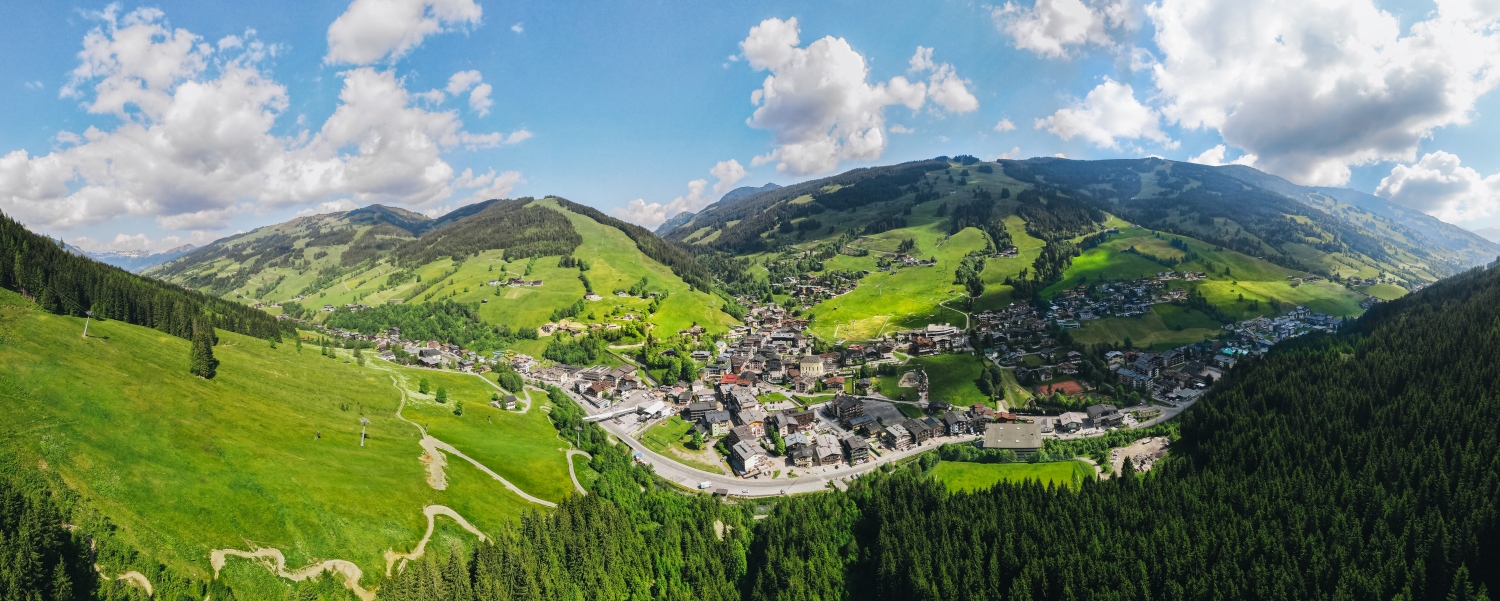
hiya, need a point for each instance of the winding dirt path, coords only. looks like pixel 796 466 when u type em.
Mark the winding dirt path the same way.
pixel 573 474
pixel 435 461
pixel 133 577
pixel 276 562
pixel 432 445
pixel 431 511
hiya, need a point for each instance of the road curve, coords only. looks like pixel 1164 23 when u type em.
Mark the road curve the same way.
pixel 765 487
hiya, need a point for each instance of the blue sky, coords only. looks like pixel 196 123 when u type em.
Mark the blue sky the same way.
pixel 209 119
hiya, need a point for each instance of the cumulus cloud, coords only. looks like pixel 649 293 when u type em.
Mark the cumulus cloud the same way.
pixel 901 129
pixel 1050 27
pixel 195 144
pixel 479 93
pixel 1311 88
pixel 1004 126
pixel 1108 114
pixel 518 28
pixel 479 99
pixel 1013 153
pixel 141 242
pixel 1215 157
pixel 372 30
pixel 332 206
pixel 818 104
pixel 944 87
pixel 459 82
pixel 1441 186
pixel 728 173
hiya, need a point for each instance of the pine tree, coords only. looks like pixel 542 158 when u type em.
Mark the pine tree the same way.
pixel 201 361
pixel 62 585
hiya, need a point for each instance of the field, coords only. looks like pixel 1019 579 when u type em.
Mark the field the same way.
pixel 1383 291
pixel 951 378
pixel 521 447
pixel 1241 286
pixel 908 299
pixel 1166 327
pixel 996 269
pixel 667 437
pixel 267 454
pixel 969 477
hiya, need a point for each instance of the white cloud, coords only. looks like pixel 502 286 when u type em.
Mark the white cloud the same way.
pixel 818 104
pixel 1004 126
pixel 944 87
pixel 1012 154
pixel 901 129
pixel 518 28
pixel 142 242
pixel 332 206
pixel 728 173
pixel 372 30
pixel 1059 155
pixel 1442 187
pixel 462 81
pixel 1108 114
pixel 517 137
pixel 1213 156
pixel 479 99
pixel 34 85
pixel 195 144
pixel 1050 27
pixel 1312 88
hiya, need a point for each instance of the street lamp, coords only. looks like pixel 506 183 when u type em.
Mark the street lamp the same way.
pixel 88 315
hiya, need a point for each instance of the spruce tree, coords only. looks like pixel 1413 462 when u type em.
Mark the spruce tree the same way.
pixel 201 361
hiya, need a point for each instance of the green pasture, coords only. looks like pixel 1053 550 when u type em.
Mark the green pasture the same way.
pixel 266 454
pixel 970 477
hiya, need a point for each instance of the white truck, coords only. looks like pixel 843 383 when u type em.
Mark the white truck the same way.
pixel 704 485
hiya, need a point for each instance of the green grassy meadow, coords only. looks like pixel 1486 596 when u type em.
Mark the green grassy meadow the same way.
pixel 908 299
pixel 266 454
pixel 1383 291
pixel 1166 327
pixel 951 378
pixel 522 447
pixel 667 439
pixel 970 477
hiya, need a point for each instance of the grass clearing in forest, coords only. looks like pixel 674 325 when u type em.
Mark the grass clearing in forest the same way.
pixel 970 477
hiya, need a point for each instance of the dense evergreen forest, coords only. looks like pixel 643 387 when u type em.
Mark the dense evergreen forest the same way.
pixel 68 284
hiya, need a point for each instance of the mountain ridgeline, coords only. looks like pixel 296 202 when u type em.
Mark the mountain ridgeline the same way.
pixel 1319 230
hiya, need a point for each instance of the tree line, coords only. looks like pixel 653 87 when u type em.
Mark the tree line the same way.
pixel 65 283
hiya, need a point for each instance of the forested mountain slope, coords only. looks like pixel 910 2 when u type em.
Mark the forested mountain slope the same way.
pixel 1317 230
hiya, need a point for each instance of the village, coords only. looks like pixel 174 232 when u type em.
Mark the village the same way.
pixel 768 404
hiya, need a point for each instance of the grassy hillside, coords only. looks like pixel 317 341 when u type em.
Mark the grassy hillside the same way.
pixel 265 455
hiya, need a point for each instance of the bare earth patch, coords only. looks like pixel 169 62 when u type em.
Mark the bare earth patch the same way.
pixel 435 461
pixel 1143 454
